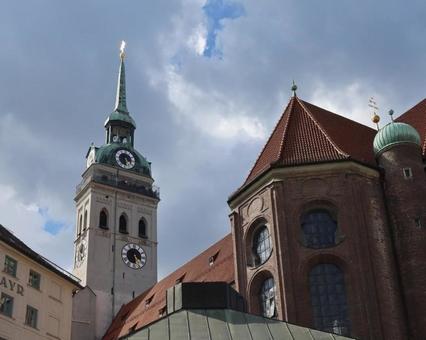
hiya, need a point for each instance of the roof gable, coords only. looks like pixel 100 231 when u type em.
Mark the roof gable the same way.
pixel 307 134
pixel 416 117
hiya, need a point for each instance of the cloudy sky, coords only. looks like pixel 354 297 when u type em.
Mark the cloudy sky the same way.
pixel 207 81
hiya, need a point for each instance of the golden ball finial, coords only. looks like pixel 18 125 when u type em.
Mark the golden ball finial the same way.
pixel 375 118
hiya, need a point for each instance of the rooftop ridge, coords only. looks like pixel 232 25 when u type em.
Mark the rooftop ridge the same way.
pixel 340 116
pixel 291 106
pixel 247 180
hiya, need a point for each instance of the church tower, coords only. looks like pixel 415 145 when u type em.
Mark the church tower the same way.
pixel 116 229
pixel 397 147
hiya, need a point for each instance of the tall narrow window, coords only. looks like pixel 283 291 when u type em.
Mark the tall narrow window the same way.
pixel 122 224
pixel 267 298
pixel 6 305
pixel 262 246
pixel 142 228
pixel 31 317
pixel 103 219
pixel 34 279
pixel 85 220
pixel 319 229
pixel 10 265
pixel 80 225
pixel 328 298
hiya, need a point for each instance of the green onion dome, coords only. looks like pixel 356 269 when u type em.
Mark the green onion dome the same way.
pixel 107 154
pixel 394 133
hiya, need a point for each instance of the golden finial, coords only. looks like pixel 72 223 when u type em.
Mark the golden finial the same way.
pixel 374 116
pixel 122 47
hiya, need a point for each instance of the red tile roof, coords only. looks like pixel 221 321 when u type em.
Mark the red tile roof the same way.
pixel 145 308
pixel 416 117
pixel 307 134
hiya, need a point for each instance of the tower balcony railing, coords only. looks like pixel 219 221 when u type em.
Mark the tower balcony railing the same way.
pixel 121 183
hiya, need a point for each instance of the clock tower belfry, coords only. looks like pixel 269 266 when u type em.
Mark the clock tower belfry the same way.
pixel 116 230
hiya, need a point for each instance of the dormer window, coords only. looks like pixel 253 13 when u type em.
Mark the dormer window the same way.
pixel 162 312
pixel 180 279
pixel 148 301
pixel 212 259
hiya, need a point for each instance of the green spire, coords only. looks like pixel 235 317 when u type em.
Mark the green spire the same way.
pixel 120 101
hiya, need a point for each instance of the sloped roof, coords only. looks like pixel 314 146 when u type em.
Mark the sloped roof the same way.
pixel 7 237
pixel 416 117
pixel 146 308
pixel 307 134
pixel 226 324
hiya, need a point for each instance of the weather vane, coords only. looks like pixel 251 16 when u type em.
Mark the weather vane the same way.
pixel 374 116
pixel 122 47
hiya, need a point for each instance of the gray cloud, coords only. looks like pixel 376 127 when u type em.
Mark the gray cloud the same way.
pixel 58 66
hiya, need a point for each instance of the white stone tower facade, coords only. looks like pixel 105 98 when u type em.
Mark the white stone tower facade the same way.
pixel 116 229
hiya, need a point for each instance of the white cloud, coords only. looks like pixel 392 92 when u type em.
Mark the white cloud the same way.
pixel 25 221
pixel 350 100
pixel 198 39
pixel 211 112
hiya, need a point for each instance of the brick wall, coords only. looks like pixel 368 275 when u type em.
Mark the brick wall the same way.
pixel 353 195
pixel 406 200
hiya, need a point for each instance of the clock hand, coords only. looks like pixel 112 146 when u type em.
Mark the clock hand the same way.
pixel 137 260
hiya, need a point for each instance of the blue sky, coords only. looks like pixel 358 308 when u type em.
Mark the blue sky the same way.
pixel 216 11
pixel 207 81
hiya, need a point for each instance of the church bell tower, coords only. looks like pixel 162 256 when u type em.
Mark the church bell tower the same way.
pixel 116 230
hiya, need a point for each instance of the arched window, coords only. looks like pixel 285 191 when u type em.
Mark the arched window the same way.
pixel 80 225
pixel 328 299
pixel 122 224
pixel 103 219
pixel 262 245
pixel 142 228
pixel 267 298
pixel 319 229
pixel 85 220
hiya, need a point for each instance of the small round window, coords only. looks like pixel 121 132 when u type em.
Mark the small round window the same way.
pixel 262 245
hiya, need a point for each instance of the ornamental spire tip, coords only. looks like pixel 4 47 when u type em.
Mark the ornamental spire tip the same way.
pixel 294 88
pixel 122 48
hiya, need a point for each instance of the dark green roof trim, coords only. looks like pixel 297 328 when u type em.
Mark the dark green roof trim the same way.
pixel 226 324
pixel 118 116
pixel 106 155
pixel 7 237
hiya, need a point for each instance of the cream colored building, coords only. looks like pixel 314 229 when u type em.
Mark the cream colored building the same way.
pixel 35 294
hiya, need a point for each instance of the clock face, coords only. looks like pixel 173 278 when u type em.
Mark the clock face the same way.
pixel 133 255
pixel 125 159
pixel 80 253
